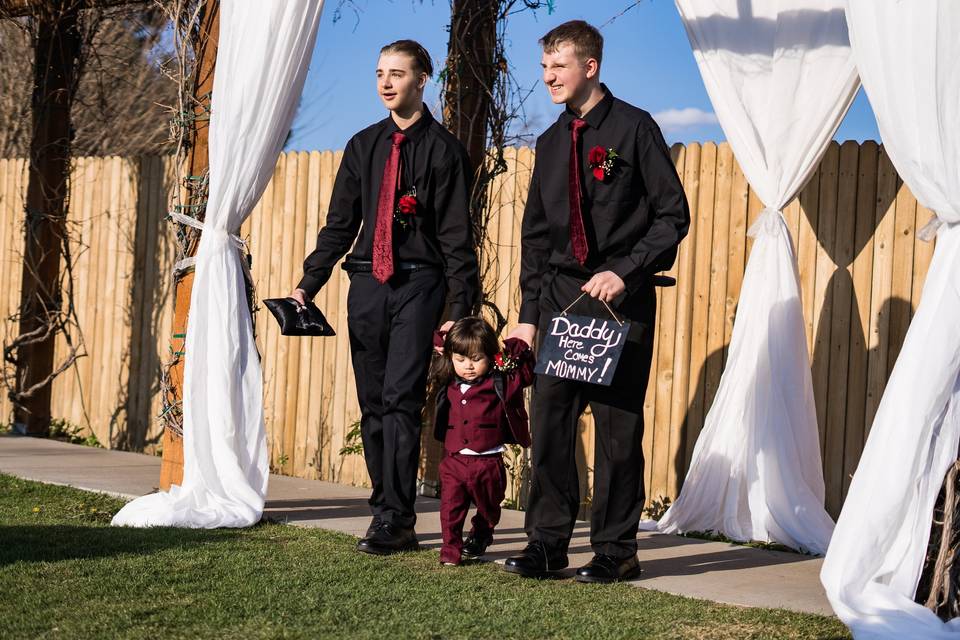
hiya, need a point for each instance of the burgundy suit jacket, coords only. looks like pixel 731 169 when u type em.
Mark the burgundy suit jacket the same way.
pixel 490 412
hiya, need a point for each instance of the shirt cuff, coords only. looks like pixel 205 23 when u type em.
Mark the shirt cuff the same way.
pixel 311 285
pixel 458 310
pixel 629 272
pixel 530 313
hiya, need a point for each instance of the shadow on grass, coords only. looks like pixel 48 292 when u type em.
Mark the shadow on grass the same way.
pixel 300 509
pixel 57 543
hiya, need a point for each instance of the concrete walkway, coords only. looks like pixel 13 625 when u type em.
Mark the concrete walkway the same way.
pixel 684 566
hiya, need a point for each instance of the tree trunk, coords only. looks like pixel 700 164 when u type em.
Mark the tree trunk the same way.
pixel 171 470
pixel 470 74
pixel 57 49
pixel 469 79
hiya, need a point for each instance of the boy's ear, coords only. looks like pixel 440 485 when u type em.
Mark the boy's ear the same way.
pixel 423 80
pixel 592 67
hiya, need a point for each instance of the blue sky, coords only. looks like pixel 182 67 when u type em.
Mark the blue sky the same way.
pixel 647 62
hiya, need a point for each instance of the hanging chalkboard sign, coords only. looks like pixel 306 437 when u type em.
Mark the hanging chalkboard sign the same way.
pixel 581 348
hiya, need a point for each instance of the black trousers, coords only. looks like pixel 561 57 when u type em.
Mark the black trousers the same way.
pixel 391 339
pixel 618 491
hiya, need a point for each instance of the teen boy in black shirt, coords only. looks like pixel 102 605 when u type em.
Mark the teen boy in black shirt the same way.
pixel 401 199
pixel 605 212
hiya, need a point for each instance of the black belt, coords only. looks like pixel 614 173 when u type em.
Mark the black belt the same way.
pixel 366 266
pixel 655 280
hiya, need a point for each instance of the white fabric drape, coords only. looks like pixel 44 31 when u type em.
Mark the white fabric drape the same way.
pixel 908 54
pixel 263 54
pixel 781 77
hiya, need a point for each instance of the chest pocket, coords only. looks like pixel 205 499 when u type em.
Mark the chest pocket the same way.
pixel 622 183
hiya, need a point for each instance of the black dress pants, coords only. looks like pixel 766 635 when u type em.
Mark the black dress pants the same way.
pixel 618 491
pixel 391 340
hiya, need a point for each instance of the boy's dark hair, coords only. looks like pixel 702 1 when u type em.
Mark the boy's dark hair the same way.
pixel 412 48
pixel 585 38
pixel 468 336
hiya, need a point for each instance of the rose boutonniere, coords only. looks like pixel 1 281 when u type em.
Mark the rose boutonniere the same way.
pixel 602 162
pixel 503 362
pixel 406 208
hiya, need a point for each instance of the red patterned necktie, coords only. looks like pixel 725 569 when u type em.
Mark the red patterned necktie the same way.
pixel 578 237
pixel 386 202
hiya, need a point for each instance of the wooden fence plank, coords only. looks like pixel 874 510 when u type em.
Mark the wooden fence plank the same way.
pixel 682 345
pixel 329 296
pixel 311 420
pixel 861 273
pixel 922 255
pixel 703 219
pixel 807 246
pixel 822 303
pixel 901 286
pixel 663 382
pixel 299 347
pixel 838 354
pixel 716 346
pixel 8 264
pixel 736 249
pixel 342 371
pixel 879 344
pixel 277 351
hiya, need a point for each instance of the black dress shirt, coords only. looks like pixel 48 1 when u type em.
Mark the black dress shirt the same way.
pixel 634 219
pixel 433 162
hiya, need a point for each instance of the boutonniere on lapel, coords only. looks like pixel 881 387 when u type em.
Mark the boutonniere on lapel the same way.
pixel 602 162
pixel 406 208
pixel 503 362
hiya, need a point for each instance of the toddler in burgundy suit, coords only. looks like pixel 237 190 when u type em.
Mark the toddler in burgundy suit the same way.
pixel 479 410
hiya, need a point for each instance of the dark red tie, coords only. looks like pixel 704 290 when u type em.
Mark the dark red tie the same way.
pixel 383 234
pixel 578 237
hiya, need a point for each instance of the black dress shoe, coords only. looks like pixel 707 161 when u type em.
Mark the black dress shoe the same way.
pixel 374 525
pixel 474 548
pixel 388 539
pixel 372 529
pixel 536 561
pixel 604 568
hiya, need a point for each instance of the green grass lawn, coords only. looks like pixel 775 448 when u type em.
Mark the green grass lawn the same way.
pixel 64 573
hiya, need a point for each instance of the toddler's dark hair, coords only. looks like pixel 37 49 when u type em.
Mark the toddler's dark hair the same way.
pixel 468 336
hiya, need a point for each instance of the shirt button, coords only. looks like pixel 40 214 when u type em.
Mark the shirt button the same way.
pixel 465 441
pixel 463 402
pixel 464 422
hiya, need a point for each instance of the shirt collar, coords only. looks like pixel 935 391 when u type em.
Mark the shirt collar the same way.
pixel 596 115
pixel 474 382
pixel 415 131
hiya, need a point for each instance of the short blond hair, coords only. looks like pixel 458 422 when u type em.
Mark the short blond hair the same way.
pixel 585 38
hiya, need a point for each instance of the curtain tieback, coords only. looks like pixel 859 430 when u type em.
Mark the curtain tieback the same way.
pixel 928 232
pixel 186 263
pixel 767 223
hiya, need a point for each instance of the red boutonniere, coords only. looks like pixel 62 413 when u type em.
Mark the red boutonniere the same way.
pixel 406 208
pixel 602 162
pixel 503 362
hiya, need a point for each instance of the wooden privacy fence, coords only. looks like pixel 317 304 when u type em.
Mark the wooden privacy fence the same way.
pixel 122 252
pixel 861 271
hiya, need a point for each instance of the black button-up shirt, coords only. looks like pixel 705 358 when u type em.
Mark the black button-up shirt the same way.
pixel 634 219
pixel 433 162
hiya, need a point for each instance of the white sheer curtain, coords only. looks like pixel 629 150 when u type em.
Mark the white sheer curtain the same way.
pixel 908 54
pixel 781 77
pixel 263 54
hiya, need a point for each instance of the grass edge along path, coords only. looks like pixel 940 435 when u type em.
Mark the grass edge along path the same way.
pixel 65 573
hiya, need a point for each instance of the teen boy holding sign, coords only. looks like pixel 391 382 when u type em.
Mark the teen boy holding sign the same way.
pixel 605 212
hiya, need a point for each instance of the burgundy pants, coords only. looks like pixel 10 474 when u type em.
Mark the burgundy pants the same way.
pixel 465 479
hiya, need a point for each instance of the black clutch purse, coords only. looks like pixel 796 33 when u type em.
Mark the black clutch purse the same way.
pixel 299 320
